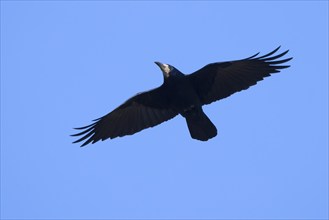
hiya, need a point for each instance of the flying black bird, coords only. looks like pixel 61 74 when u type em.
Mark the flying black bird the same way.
pixel 185 95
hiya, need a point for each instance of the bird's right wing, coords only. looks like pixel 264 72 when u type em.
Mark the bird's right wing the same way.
pixel 142 111
pixel 220 80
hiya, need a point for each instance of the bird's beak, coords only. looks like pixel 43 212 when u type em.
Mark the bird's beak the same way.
pixel 159 64
pixel 164 68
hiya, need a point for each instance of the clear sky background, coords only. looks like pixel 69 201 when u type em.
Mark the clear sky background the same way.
pixel 66 63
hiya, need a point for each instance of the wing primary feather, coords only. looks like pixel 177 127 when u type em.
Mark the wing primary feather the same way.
pixel 91 139
pixel 97 119
pixel 81 128
pixel 248 58
pixel 282 67
pixel 83 132
pixel 269 54
pixel 279 61
pixel 276 57
pixel 84 137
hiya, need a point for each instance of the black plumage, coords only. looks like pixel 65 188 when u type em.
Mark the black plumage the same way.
pixel 185 95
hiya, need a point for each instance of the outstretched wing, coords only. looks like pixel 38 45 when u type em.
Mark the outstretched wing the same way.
pixel 142 111
pixel 216 81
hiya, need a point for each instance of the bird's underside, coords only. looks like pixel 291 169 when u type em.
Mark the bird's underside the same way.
pixel 184 95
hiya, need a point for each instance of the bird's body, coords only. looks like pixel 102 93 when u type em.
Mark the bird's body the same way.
pixel 185 95
pixel 183 98
pixel 181 94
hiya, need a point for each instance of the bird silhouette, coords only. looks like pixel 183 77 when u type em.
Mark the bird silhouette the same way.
pixel 183 95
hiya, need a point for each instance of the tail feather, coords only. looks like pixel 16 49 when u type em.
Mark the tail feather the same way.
pixel 200 126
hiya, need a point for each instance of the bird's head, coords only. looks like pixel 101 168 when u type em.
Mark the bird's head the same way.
pixel 166 69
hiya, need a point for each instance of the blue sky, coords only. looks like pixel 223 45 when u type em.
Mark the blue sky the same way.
pixel 66 63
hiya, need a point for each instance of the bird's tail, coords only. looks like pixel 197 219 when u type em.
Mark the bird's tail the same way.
pixel 200 126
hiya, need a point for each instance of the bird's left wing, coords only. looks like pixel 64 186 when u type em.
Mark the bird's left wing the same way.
pixel 142 111
pixel 219 80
